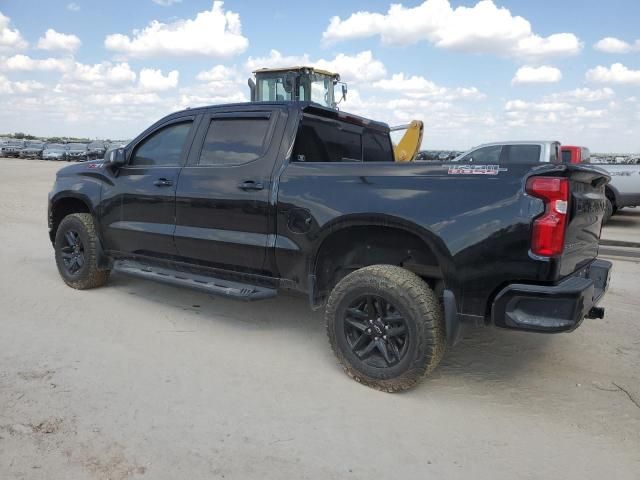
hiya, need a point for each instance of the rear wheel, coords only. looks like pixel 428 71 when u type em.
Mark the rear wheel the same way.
pixel 385 326
pixel 76 246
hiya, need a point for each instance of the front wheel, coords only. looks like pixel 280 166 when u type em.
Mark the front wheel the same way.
pixel 76 246
pixel 385 325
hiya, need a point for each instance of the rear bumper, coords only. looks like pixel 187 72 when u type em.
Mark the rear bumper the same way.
pixel 552 308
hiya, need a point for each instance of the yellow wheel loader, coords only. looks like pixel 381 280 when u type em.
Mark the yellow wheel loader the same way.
pixel 314 85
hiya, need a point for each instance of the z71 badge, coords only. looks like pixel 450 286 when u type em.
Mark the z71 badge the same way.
pixel 476 170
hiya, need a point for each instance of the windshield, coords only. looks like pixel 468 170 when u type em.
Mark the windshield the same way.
pixel 320 87
pixel 35 145
pixel 55 146
pixel 96 145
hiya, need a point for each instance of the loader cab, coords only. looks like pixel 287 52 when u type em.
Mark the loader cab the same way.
pixel 296 83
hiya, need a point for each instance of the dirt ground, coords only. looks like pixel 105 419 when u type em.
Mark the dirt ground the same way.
pixel 141 380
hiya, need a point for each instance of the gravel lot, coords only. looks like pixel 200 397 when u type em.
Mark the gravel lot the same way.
pixel 141 380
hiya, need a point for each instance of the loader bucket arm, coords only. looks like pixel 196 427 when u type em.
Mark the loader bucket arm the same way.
pixel 409 145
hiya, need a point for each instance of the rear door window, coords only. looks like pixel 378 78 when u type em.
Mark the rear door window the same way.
pixel 234 141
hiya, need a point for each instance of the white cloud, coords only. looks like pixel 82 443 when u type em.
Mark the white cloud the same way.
pixel 616 74
pixel 352 68
pixel 153 81
pixel 197 97
pixel 276 59
pixel 97 76
pixel 615 45
pixel 521 105
pixel 216 74
pixel 416 86
pixel 73 7
pixel 5 85
pixel 10 39
pixel 166 3
pixel 583 95
pixel 359 67
pixel 27 64
pixel 213 33
pixel 21 87
pixel 542 74
pixel 483 28
pixel 53 40
pixel 28 86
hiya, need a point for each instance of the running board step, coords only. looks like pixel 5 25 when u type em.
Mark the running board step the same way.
pixel 211 285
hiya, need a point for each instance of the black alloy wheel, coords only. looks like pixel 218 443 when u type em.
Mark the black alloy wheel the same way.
pixel 375 331
pixel 73 254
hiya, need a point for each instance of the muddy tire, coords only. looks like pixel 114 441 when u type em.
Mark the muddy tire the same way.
pixel 386 327
pixel 76 245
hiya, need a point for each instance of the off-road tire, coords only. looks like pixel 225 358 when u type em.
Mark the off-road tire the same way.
pixel 89 275
pixel 422 311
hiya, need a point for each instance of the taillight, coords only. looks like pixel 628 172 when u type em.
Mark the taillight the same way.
pixel 547 238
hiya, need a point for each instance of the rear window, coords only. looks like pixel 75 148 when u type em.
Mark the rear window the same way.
pixel 377 146
pixel 234 141
pixel 324 140
pixel 522 154
pixel 566 156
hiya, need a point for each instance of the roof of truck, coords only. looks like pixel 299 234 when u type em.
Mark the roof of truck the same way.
pixel 306 107
pixel 517 142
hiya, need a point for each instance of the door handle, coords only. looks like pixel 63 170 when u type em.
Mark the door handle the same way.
pixel 250 185
pixel 163 182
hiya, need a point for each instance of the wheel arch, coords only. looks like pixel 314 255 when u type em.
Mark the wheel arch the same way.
pixel 66 203
pixel 356 241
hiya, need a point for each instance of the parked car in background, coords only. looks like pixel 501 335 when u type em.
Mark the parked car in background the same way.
pixel 77 152
pixel 32 150
pixel 624 188
pixel 54 151
pixel 571 154
pixel 489 155
pixel 12 148
pixel 96 150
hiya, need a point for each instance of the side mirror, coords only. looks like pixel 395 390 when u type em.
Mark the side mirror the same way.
pixel 117 157
pixel 344 92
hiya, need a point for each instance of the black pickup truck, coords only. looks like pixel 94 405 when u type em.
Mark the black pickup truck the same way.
pixel 250 199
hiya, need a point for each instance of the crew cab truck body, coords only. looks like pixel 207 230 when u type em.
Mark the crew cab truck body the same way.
pixel 244 200
pixel 624 188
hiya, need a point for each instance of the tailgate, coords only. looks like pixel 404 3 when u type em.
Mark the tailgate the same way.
pixel 586 211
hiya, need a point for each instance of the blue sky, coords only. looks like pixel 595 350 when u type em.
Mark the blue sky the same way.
pixel 473 70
